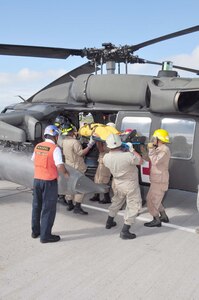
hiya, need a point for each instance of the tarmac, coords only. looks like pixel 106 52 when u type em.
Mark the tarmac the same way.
pixel 93 263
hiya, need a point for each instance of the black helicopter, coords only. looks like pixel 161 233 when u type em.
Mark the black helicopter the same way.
pixel 140 102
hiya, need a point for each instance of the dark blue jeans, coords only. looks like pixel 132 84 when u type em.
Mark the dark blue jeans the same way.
pixel 45 194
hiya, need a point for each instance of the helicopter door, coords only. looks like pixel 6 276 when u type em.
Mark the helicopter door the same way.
pixel 183 166
pixel 142 124
pixel 184 135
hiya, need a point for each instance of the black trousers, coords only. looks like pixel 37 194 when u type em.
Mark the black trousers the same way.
pixel 45 193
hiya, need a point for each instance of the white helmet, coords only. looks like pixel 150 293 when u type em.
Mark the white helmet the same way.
pixel 111 124
pixel 113 141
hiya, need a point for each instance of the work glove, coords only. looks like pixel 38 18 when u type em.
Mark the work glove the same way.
pixel 91 142
pixel 151 146
pixel 131 149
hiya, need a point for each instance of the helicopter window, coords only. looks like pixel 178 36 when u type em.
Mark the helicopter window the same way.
pixel 181 133
pixel 141 124
pixel 85 118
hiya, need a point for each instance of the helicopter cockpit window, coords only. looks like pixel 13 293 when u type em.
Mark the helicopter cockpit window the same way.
pixel 181 133
pixel 141 124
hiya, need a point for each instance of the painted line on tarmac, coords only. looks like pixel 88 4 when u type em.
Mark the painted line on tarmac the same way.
pixel 140 218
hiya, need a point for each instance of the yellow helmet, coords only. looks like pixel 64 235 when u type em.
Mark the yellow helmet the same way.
pixel 162 135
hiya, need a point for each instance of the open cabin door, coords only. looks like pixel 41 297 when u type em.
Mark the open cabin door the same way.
pixel 184 146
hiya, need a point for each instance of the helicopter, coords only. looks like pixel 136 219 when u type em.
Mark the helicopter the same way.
pixel 141 102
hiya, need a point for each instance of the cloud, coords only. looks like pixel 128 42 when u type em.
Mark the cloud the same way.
pixel 26 82
pixel 188 60
pixel 26 75
pixel 184 60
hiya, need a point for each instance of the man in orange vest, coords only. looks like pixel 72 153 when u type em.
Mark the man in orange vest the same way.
pixel 48 162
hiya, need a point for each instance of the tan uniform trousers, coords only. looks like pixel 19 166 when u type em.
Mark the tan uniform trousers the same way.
pixel 78 198
pixel 128 191
pixel 102 174
pixel 73 152
pixel 155 196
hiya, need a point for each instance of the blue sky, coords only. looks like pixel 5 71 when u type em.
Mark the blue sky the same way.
pixel 79 24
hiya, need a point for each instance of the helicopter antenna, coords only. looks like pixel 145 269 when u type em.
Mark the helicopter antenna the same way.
pixel 21 98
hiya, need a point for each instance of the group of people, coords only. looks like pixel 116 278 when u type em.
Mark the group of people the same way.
pixel 49 159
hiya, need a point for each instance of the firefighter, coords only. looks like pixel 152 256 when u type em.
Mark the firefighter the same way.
pixel 102 174
pixel 122 166
pixel 159 155
pixel 48 161
pixel 74 157
pixel 60 122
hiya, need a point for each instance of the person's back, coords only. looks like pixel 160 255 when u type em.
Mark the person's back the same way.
pixel 122 165
pixel 45 167
pixel 73 153
pixel 125 184
pixel 47 158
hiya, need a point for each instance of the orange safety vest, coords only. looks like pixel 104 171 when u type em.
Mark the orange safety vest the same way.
pixel 45 167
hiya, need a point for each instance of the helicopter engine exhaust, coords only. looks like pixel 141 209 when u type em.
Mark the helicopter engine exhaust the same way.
pixel 16 166
pixel 159 94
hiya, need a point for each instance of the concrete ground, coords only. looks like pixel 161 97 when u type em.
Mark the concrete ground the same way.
pixel 93 263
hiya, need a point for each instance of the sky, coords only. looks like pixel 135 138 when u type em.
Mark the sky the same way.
pixel 79 24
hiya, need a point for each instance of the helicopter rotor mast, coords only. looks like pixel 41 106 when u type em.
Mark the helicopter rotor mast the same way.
pixel 109 54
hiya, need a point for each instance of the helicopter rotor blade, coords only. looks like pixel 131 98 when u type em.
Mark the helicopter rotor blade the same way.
pixel 174 66
pixel 164 37
pixel 186 69
pixel 38 51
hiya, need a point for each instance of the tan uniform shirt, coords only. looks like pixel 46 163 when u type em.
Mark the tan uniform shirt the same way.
pixel 125 183
pixel 160 164
pixel 122 165
pixel 73 153
pixel 102 174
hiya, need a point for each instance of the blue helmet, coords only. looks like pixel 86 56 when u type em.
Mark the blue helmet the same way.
pixel 51 130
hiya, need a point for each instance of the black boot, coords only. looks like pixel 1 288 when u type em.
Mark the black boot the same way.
pixel 70 205
pixel 51 239
pixel 125 234
pixel 78 209
pixel 154 223
pixel 106 199
pixel 95 198
pixel 62 199
pixel 110 223
pixel 163 217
